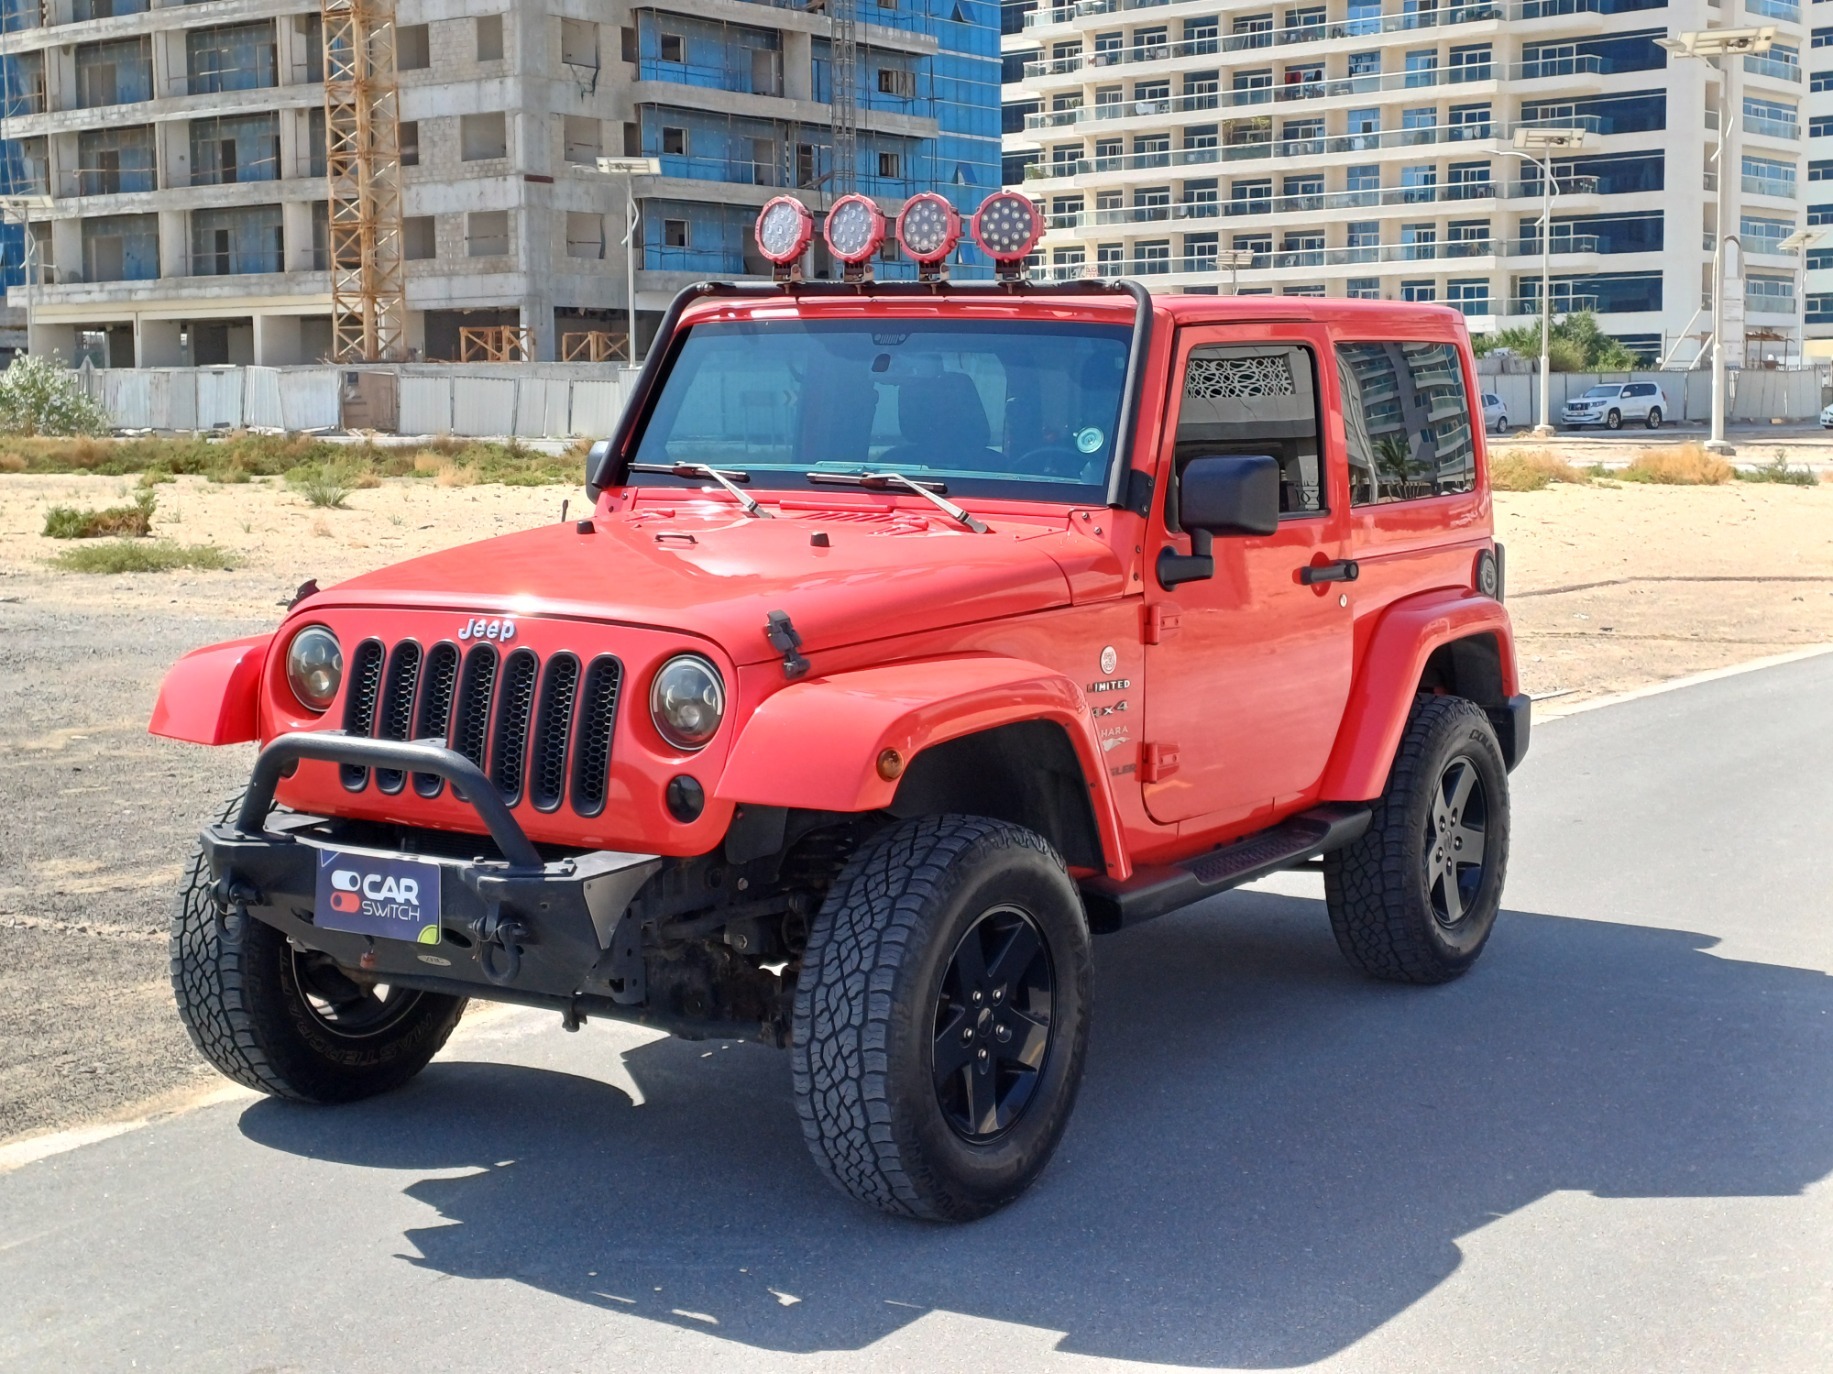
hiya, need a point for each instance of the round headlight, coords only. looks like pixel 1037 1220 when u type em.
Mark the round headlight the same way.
pixel 687 701
pixel 314 667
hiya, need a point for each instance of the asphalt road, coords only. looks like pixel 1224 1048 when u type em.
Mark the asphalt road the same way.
pixel 1606 1149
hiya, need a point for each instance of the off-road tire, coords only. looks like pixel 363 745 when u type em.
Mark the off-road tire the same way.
pixel 1653 419
pixel 1378 890
pixel 239 996
pixel 866 1015
pixel 1614 420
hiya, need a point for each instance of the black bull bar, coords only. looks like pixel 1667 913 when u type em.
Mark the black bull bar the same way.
pixel 516 928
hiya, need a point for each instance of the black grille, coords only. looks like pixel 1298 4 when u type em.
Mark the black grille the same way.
pixel 360 705
pixel 534 728
pixel 553 723
pixel 396 718
pixel 592 750
pixel 438 682
pixel 509 741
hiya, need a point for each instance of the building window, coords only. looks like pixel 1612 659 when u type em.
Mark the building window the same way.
pixel 230 242
pixel 1820 126
pixel 677 233
pixel 483 136
pixel 413 53
pixel 1364 289
pixel 673 47
pixel 895 81
pixel 1820 214
pixel 1820 309
pixel 585 235
pixel 674 141
pixel 1821 170
pixel 891 166
pixel 409 141
pixel 490 38
pixel 487 234
pixel 418 240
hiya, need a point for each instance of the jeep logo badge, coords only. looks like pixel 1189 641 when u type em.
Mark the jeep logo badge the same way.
pixel 1109 661
pixel 502 631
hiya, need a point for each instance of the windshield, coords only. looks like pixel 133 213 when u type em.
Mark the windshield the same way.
pixel 992 407
pixel 1601 393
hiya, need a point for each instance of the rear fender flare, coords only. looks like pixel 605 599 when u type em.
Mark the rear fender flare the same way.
pixel 817 744
pixel 209 696
pixel 1389 676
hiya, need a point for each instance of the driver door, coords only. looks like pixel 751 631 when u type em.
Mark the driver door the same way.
pixel 1250 672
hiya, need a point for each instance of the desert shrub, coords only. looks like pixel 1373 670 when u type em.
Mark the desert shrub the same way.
pixel 39 395
pixel 1532 471
pixel 131 556
pixel 134 522
pixel 1683 465
pixel 327 484
pixel 1778 471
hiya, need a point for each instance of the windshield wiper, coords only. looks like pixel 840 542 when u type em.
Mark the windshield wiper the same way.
pixel 882 481
pixel 726 479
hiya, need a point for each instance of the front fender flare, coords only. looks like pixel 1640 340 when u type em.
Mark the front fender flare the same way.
pixel 815 744
pixel 1389 675
pixel 209 695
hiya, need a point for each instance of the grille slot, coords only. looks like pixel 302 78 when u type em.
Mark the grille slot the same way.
pixel 438 683
pixel 360 705
pixel 592 748
pixel 471 716
pixel 553 723
pixel 396 718
pixel 515 702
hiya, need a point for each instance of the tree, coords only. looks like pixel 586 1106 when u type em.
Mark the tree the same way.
pixel 1576 345
pixel 39 395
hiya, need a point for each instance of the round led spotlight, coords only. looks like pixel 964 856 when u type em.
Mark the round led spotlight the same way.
pixel 855 228
pixel 784 230
pixel 1007 227
pixel 928 228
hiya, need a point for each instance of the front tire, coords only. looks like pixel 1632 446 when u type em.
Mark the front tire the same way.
pixel 1654 417
pixel 288 1022
pixel 1415 898
pixel 1614 420
pixel 941 1017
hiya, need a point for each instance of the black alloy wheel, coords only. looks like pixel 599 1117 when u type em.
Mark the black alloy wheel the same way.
pixel 992 1025
pixel 344 1007
pixel 1454 842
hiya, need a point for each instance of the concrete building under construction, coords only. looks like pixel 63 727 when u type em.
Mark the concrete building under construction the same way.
pixel 170 159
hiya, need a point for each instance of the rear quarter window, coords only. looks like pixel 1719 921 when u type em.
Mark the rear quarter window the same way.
pixel 1406 415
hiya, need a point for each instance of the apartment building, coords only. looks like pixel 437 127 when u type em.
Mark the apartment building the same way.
pixel 1365 148
pixel 182 149
pixel 1818 309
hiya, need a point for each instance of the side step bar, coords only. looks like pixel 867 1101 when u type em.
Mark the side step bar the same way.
pixel 1150 892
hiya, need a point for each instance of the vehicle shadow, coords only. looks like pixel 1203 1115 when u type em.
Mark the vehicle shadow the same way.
pixel 1271 1156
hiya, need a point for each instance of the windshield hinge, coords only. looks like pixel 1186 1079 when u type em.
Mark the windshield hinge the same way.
pixel 783 638
pixel 1162 619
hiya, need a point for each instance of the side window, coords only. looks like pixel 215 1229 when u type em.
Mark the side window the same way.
pixel 1251 399
pixel 1407 417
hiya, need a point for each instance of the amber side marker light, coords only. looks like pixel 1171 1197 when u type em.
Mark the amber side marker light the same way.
pixel 1007 227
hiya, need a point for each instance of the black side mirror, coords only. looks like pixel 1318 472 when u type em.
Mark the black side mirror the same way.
pixel 1237 494
pixel 598 468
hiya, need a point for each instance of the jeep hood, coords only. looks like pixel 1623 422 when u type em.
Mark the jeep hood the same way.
pixel 715 573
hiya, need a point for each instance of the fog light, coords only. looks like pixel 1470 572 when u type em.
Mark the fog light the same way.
pixel 686 798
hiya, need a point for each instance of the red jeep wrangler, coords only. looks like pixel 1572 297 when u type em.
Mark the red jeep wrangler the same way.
pixel 918 631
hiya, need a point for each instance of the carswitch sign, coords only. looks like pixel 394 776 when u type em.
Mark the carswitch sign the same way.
pixel 397 899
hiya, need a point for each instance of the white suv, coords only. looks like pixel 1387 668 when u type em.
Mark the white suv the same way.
pixel 1611 404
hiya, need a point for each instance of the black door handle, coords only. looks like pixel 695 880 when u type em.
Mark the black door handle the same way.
pixel 1343 570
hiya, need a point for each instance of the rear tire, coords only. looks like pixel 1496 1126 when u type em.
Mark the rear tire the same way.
pixel 941 1017
pixel 1654 417
pixel 287 1022
pixel 1501 424
pixel 1415 898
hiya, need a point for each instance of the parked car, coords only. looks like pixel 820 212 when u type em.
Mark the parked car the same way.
pixel 1826 418
pixel 1615 403
pixel 909 641
pixel 1495 414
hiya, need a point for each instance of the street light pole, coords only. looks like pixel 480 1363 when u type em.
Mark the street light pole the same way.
pixel 1546 140
pixel 1708 45
pixel 1798 243
pixel 1234 259
pixel 630 168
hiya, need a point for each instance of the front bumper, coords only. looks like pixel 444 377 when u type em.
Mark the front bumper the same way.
pixel 513 926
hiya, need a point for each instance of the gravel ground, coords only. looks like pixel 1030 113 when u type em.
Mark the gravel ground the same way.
pixel 1611 588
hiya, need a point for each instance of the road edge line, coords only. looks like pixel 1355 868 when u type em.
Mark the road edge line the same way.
pixel 1552 711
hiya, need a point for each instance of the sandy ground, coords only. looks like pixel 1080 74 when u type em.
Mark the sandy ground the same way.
pixel 1611 588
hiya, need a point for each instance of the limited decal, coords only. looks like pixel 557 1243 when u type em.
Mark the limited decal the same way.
pixel 397 899
pixel 1118 684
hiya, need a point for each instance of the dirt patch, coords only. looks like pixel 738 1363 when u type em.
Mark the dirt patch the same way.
pixel 1611 587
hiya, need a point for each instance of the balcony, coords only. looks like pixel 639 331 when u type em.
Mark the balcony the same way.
pixel 1785 10
pixel 1774 68
pixel 106 181
pixel 1782 187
